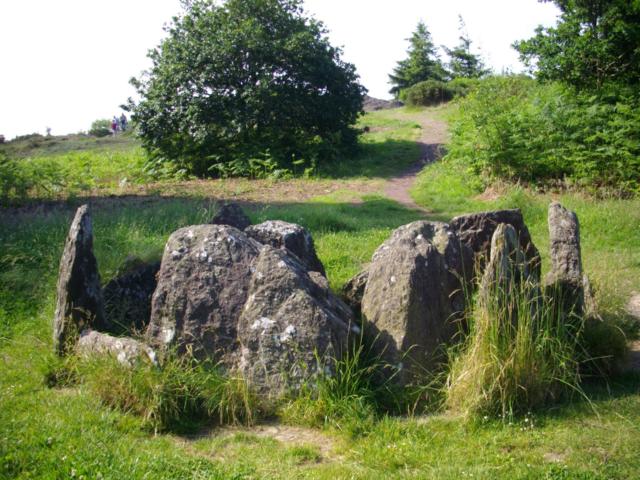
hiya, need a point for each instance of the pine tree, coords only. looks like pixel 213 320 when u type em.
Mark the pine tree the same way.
pixel 421 64
pixel 462 62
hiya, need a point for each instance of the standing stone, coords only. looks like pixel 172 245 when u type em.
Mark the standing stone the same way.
pixel 231 214
pixel 127 297
pixel 506 276
pixel 202 288
pixel 79 297
pixel 414 295
pixel 476 231
pixel 292 326
pixel 294 238
pixel 564 282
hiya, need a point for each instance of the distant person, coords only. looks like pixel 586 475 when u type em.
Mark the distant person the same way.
pixel 114 125
pixel 123 122
pixel 48 131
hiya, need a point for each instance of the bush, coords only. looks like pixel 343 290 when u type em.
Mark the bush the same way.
pixel 237 80
pixel 427 93
pixel 100 128
pixel 433 92
pixel 514 128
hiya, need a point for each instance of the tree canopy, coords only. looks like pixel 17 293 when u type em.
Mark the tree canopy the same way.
pixel 462 62
pixel 595 42
pixel 242 79
pixel 422 62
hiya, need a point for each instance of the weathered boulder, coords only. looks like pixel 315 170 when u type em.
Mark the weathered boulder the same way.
pixel 231 214
pixel 124 349
pixel 564 282
pixel 414 295
pixel 202 288
pixel 476 230
pixel 127 297
pixel 291 327
pixel 294 238
pixel 79 297
pixel 353 291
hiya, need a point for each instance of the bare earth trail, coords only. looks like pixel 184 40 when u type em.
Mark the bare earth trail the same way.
pixel 434 135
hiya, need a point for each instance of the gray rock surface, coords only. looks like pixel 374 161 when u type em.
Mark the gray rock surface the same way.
pixel 294 238
pixel 127 297
pixel 353 291
pixel 291 326
pixel 202 288
pixel 414 295
pixel 126 350
pixel 564 282
pixel 79 297
pixel 231 214
pixel 476 230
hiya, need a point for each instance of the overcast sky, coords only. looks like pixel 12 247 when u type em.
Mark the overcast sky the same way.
pixel 65 63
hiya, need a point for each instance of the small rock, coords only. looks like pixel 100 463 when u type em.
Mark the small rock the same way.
pixel 124 349
pixel 231 214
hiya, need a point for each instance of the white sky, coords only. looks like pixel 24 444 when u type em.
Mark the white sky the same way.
pixel 65 63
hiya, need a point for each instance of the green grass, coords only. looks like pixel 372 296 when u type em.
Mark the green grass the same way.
pixel 56 432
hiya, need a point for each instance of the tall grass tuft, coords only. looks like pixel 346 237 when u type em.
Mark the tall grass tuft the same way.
pixel 521 354
pixel 348 398
pixel 180 395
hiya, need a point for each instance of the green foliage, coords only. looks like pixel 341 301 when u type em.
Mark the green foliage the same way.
pixel 463 63
pixel 594 42
pixel 233 81
pixel 513 128
pixel 100 128
pixel 422 62
pixel 427 93
pixel 520 355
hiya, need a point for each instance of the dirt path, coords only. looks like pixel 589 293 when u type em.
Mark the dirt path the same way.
pixel 434 135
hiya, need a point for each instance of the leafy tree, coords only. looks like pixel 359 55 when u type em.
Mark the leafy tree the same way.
pixel 422 63
pixel 463 63
pixel 595 42
pixel 246 79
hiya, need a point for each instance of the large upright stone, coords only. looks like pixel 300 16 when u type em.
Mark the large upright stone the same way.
pixel 476 230
pixel 414 295
pixel 231 214
pixel 294 238
pixel 202 288
pixel 292 325
pixel 79 303
pixel 564 282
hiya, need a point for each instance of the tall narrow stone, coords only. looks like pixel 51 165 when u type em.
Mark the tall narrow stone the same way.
pixel 564 282
pixel 79 305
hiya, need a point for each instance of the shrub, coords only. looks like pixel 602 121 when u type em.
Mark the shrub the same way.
pixel 100 128
pixel 235 79
pixel 429 92
pixel 514 128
